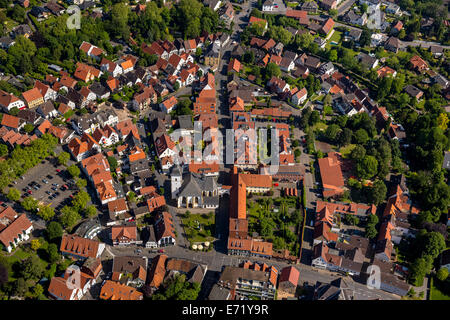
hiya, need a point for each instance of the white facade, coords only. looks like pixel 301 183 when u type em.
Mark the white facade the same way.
pixel 24 236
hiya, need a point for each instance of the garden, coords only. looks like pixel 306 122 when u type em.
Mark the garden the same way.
pixel 277 220
pixel 199 227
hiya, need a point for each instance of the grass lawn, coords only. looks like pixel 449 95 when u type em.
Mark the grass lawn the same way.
pixel 320 126
pixel 345 151
pixel 206 223
pixel 18 256
pixel 336 37
pixel 436 290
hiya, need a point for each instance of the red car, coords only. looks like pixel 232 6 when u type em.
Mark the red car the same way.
pixel 71 196
pixel 161 250
pixel 29 192
pixel 275 184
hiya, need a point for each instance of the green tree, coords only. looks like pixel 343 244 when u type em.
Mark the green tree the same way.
pixel 28 128
pixel 361 136
pixel 367 167
pixel 419 269
pixel 13 194
pixel 3 150
pixel 333 55
pixel 46 212
pixel 113 164
pixel 272 70
pixel 31 268
pixel 377 193
pixel 91 211
pixel 442 274
pixel 54 231
pixel 80 200
pixel 345 137
pixel 434 244
pixel 69 217
pixel 63 157
pixel 332 132
pixel 30 204
pixel 74 171
pixel 81 183
pixel 358 153
pixel 52 253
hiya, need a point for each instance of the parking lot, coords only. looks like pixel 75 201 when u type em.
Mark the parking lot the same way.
pixel 46 182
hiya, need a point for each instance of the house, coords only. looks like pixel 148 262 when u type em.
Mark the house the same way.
pixel 6 42
pixel 392 8
pixel 9 101
pixel 14 228
pixel 69 288
pixel 29 116
pixel 81 248
pixel 288 281
pixel 327 27
pixel 244 282
pixel 234 65
pixel 12 122
pixel 367 60
pixel 300 15
pixel 386 71
pixel 440 80
pixel 327 68
pixel 312 63
pixel 105 137
pixel 33 97
pixel 395 30
pixel 287 64
pixel 124 235
pixel 128 270
pixel 335 290
pixel 194 272
pixel 86 73
pixel 331 173
pixel 353 35
pixel 278 85
pixel 310 6
pixel 91 50
pixel 212 57
pixel 353 18
pixel 22 30
pixel 168 105
pixel 414 91
pixel 392 44
pixel 100 91
pixel 112 290
pixel 111 67
pixel 149 237
pixel 299 97
pixel 47 110
pixel 418 64
pixel 164 229
pixel 437 51
pixel 328 4
pixel 227 13
pixel 47 92
pixel 156 273
pixel 256 20
pixel 117 207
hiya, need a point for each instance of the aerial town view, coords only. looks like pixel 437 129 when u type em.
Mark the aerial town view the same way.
pixel 224 150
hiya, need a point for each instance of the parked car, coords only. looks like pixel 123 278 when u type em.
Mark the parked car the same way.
pixel 29 192
pixel 161 251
